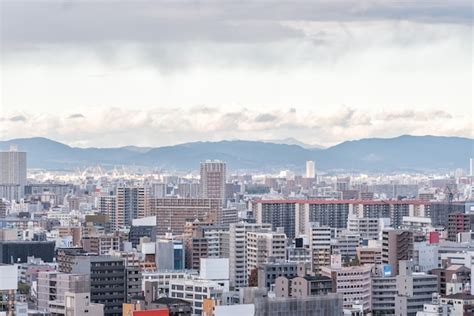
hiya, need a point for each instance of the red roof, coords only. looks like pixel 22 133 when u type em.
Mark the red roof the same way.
pixel 367 202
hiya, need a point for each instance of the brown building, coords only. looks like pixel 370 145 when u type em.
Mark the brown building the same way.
pixel 369 255
pixel 458 223
pixel 445 275
pixel 397 244
pixel 173 213
pixel 213 178
pixel 75 232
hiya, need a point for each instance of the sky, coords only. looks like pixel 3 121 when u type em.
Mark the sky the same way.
pixel 154 73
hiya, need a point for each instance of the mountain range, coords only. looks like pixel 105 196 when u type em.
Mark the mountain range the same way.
pixel 403 153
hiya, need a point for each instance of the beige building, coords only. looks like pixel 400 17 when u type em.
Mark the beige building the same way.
pixel 263 246
pixel 354 283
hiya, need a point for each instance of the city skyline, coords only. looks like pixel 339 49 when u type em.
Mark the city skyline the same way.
pixel 153 74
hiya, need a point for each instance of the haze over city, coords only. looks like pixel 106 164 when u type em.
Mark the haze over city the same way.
pixel 155 73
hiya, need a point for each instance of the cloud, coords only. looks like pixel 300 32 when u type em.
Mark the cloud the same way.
pixel 166 126
pixel 76 116
pixel 18 118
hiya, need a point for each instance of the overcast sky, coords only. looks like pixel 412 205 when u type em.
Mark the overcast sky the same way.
pixel 151 73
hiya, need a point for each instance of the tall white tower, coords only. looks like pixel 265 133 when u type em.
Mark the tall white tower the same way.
pixel 471 167
pixel 310 170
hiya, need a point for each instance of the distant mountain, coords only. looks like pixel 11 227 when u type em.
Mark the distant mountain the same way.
pixel 294 141
pixel 404 153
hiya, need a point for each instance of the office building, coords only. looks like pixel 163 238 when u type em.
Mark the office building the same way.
pixel 354 283
pixel 458 223
pixel 397 245
pixel 19 251
pixel 302 286
pixel 213 179
pixel 132 203
pixel 413 289
pixel 327 305
pixel 320 245
pixel 263 247
pixel 107 205
pixel 238 251
pixel 173 213
pixel 107 276
pixel 384 293
pixel 13 174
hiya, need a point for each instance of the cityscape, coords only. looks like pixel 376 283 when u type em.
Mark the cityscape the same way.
pixel 236 158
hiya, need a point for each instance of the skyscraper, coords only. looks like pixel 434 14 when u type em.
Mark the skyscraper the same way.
pixel 213 177
pixel 310 170
pixel 132 203
pixel 12 174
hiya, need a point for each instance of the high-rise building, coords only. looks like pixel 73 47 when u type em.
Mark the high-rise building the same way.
pixel 12 174
pixel 397 245
pixel 107 205
pixel 310 169
pixel 107 276
pixel 320 245
pixel 238 251
pixel 354 283
pixel 413 289
pixel 213 178
pixel 173 213
pixel 263 247
pixel 132 203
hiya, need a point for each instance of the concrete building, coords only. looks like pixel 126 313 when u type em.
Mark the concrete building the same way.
pixel 142 227
pixel 173 213
pixel 213 179
pixel 354 283
pixel 384 293
pixel 8 288
pixel 238 251
pixel 263 247
pixel 66 294
pixel 320 245
pixel 132 203
pixel 397 245
pixel 195 291
pixel 107 276
pixel 107 205
pixel 458 223
pixel 268 272
pixel 278 215
pixel 413 289
pixel 369 255
pixel 102 244
pixel 346 245
pixel 303 286
pixel 368 228
pixel 327 305
pixel 12 174
pixel 459 273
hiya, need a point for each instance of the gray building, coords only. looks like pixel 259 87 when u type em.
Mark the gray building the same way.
pixel 12 174
pixel 268 272
pixel 413 290
pixel 327 305
pixel 384 292
pixel 107 277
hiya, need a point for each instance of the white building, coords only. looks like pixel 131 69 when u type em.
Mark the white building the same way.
pixel 238 251
pixel 261 246
pixel 320 245
pixel 310 169
pixel 195 291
